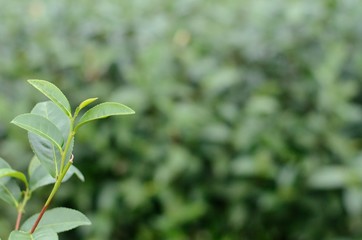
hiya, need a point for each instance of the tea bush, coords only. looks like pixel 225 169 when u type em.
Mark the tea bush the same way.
pixel 248 113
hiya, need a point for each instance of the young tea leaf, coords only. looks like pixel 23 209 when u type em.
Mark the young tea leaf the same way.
pixel 10 193
pixel 9 189
pixel 86 103
pixel 4 164
pixel 58 219
pixel 8 172
pixel 40 126
pixel 53 93
pixel 48 155
pixel 83 105
pixel 52 112
pixel 104 110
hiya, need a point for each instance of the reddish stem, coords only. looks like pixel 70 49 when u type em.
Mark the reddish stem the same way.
pixel 18 219
pixel 38 219
pixel 55 189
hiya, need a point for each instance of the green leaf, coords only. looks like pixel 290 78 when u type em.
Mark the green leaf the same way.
pixel 58 219
pixel 43 148
pixel 86 103
pixel 53 93
pixel 8 172
pixel 329 177
pixel 39 176
pixel 83 105
pixel 104 110
pixel 51 112
pixel 10 192
pixel 4 164
pixel 45 234
pixel 42 234
pixel 20 235
pixel 41 126
pixel 48 155
pixel 9 188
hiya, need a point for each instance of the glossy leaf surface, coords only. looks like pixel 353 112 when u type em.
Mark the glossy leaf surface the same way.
pixel 58 219
pixel 53 93
pixel 8 172
pixel 104 110
pixel 86 103
pixel 42 147
pixel 55 115
pixel 41 126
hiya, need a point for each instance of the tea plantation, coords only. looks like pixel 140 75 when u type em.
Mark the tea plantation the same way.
pixel 248 114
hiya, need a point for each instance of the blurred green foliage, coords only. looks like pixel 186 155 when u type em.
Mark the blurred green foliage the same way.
pixel 248 114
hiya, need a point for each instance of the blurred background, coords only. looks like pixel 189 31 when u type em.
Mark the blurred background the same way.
pixel 248 121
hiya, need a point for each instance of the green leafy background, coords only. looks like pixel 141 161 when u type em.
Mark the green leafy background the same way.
pixel 248 114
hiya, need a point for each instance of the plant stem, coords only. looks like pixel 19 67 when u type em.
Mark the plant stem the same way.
pixel 67 144
pixel 39 218
pixel 18 220
pixel 62 172
pixel 52 193
pixel 21 208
